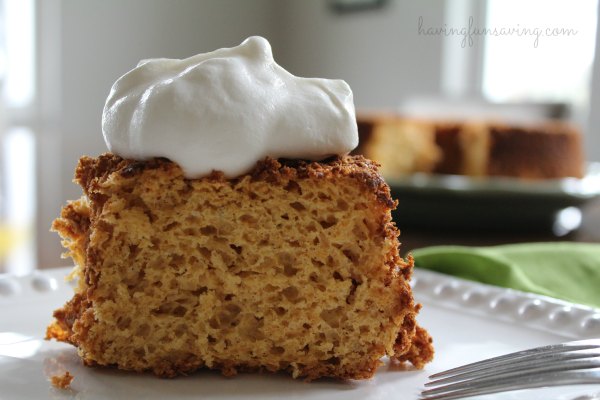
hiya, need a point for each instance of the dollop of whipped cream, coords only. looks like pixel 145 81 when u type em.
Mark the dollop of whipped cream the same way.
pixel 226 110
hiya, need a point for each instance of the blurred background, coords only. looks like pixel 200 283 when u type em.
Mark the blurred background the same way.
pixel 59 58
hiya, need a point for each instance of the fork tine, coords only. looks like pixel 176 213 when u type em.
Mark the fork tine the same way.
pixel 555 348
pixel 523 382
pixel 527 363
pixel 516 375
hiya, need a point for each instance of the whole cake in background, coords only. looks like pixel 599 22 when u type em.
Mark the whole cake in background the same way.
pixel 545 150
pixel 229 229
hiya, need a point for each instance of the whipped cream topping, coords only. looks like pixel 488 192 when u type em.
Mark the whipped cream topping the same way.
pixel 226 110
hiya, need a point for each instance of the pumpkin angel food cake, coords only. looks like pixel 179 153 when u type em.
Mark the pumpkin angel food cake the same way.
pixel 228 229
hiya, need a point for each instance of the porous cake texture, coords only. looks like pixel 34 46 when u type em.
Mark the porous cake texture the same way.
pixel 294 267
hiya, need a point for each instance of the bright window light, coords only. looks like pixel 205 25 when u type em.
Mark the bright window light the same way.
pixel 17 62
pixel 17 142
pixel 549 55
pixel 18 201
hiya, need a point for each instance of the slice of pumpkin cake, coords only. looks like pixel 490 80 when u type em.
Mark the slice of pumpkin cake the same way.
pixel 289 263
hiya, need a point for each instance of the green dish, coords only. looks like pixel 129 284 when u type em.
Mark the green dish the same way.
pixel 510 204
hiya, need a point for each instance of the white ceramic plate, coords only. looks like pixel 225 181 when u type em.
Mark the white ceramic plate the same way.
pixel 468 321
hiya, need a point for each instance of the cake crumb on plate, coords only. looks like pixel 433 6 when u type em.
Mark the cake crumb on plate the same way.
pixel 62 381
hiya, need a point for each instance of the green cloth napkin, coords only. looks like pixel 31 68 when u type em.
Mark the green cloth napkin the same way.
pixel 568 271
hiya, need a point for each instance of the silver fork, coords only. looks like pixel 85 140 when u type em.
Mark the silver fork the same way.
pixel 568 363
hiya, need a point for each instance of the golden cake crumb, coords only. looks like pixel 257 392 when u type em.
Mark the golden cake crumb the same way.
pixel 62 381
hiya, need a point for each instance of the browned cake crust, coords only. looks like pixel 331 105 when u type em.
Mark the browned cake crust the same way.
pixel 294 267
pixel 547 151
pixel 543 151
pixel 447 137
